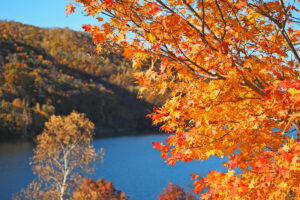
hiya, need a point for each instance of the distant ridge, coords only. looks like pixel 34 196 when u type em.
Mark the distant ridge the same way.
pixel 46 71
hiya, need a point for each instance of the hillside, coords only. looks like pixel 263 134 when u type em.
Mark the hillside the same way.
pixel 54 71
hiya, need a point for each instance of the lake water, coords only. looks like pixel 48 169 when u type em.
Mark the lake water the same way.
pixel 129 162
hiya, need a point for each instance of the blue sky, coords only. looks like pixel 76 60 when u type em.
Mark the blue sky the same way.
pixel 42 13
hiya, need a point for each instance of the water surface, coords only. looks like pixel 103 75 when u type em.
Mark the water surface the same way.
pixel 129 162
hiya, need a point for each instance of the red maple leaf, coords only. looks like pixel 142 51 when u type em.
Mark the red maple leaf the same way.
pixel 157 145
pixel 153 8
pixel 87 27
pixel 194 176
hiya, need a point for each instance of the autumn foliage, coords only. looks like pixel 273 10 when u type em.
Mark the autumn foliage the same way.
pixel 45 71
pixel 230 70
pixel 100 190
pixel 62 154
pixel 175 192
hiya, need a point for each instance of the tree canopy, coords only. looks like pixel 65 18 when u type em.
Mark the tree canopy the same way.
pixel 230 70
pixel 62 153
pixel 100 190
pixel 175 192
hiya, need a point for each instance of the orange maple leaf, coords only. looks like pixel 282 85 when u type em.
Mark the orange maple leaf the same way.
pixel 240 5
pixel 70 9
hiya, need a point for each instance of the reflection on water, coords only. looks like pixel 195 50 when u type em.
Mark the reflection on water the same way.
pixel 129 162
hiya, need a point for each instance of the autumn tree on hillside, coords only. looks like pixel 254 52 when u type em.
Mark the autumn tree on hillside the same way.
pixel 57 71
pixel 63 151
pixel 100 190
pixel 231 72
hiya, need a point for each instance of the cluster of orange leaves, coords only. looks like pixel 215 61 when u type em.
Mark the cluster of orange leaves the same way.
pixel 230 70
pixel 175 192
pixel 100 190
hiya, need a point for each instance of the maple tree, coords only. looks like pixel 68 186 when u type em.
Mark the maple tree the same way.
pixel 230 70
pixel 62 153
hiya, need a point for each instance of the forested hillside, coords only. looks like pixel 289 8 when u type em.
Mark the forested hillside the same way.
pixel 55 71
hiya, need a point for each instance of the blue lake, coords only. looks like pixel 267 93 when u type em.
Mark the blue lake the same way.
pixel 129 162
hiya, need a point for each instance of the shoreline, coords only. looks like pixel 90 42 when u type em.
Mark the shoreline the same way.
pixel 107 133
